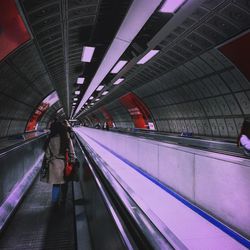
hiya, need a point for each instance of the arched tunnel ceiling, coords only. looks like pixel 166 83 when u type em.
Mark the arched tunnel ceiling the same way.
pixel 51 59
pixel 61 28
pixel 190 85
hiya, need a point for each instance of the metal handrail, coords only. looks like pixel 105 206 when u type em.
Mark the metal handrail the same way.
pixel 224 147
pixel 18 145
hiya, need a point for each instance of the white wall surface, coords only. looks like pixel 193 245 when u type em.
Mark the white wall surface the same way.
pixel 218 183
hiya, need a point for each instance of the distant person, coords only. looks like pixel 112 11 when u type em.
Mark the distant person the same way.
pixel 58 142
pixel 244 137
pixel 106 126
pixel 98 125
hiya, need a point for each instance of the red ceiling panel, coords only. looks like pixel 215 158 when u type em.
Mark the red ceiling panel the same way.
pixel 13 32
pixel 237 51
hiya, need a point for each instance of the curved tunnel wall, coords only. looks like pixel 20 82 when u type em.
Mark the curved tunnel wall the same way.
pixel 119 114
pixel 23 85
pixel 207 96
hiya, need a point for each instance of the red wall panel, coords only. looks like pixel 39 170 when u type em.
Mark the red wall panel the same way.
pixel 238 52
pixel 13 32
pixel 137 109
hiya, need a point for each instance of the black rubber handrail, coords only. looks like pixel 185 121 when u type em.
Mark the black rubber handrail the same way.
pixel 18 145
pixel 223 147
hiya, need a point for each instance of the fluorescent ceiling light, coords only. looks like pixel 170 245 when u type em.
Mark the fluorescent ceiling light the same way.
pixel 100 88
pixel 137 15
pixel 74 103
pixel 91 103
pixel 105 93
pixel 118 81
pixel 80 80
pixel 91 97
pixel 170 6
pixel 77 92
pixel 59 110
pixel 75 99
pixel 87 53
pixel 148 56
pixel 97 99
pixel 118 66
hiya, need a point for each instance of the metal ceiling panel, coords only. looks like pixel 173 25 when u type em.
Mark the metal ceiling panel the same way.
pixel 233 105
pixel 207 108
pixel 222 127
pixel 231 81
pixel 243 102
pixel 238 16
pixel 210 86
pixel 212 61
pixel 232 130
pixel 198 62
pixel 223 106
pixel 4 125
pixel 220 58
pixel 211 4
pixel 220 84
pixel 194 128
pixel 214 127
pixel 240 78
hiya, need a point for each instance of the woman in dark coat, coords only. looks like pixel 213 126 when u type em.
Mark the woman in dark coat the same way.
pixel 58 142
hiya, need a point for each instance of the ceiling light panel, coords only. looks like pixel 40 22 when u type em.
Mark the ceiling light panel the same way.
pixel 118 66
pixel 170 6
pixel 87 53
pixel 148 56
pixel 80 80
pixel 137 15
pixel 118 81
pixel 105 93
pixel 100 88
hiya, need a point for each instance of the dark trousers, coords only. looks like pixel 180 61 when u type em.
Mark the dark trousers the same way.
pixel 59 192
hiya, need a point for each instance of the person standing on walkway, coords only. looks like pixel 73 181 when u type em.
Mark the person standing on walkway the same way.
pixel 58 142
pixel 244 137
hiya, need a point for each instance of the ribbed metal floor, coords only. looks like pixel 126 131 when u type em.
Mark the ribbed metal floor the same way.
pixel 38 225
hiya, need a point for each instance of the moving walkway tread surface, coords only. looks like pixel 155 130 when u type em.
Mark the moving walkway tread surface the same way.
pixel 38 225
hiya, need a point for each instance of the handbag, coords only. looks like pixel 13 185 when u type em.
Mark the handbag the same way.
pixel 68 165
pixel 71 169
